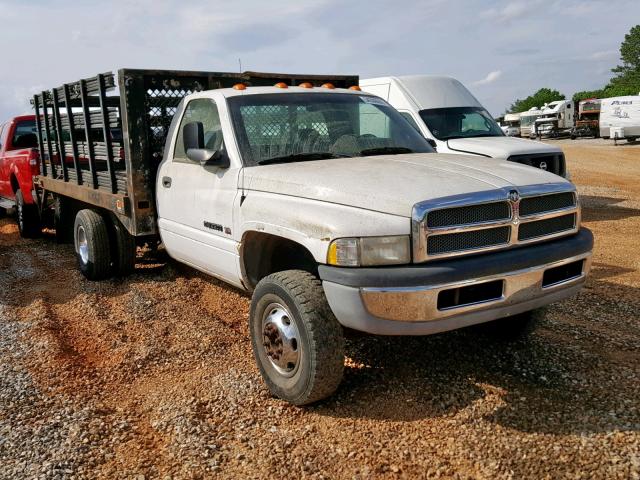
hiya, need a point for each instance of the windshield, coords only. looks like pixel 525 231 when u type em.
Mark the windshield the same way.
pixel 460 122
pixel 291 127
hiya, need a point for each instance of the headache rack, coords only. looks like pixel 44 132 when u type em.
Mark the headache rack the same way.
pixel 101 139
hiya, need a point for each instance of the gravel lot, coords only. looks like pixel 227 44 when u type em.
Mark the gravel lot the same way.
pixel 153 376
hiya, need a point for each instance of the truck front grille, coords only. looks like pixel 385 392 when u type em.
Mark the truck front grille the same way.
pixel 552 162
pixel 549 226
pixel 485 212
pixel 547 203
pixel 457 242
pixel 494 224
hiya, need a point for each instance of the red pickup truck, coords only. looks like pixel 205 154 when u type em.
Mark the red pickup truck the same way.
pixel 19 162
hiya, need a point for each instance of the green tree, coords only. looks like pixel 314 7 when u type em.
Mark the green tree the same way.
pixel 542 96
pixel 588 94
pixel 627 78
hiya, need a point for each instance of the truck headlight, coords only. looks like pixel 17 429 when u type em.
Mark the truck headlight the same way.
pixel 369 251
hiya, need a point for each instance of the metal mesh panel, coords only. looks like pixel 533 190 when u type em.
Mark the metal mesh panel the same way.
pixel 468 215
pixel 454 242
pixel 546 203
pixel 545 227
pixel 162 104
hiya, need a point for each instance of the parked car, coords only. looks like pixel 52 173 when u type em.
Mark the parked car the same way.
pixel 445 112
pixel 330 208
pixel 19 162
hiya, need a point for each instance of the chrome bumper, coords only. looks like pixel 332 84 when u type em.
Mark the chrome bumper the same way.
pixel 420 304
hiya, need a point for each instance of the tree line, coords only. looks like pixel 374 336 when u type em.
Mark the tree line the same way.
pixel 626 79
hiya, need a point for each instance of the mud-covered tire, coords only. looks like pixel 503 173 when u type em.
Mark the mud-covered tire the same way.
pixel 63 219
pixel 516 327
pixel 27 217
pixel 91 241
pixel 319 367
pixel 123 256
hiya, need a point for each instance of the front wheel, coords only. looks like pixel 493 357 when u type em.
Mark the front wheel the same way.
pixel 297 341
pixel 27 217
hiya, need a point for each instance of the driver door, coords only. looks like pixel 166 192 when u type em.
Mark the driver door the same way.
pixel 196 202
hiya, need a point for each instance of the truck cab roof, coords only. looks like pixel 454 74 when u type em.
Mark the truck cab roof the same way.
pixel 233 92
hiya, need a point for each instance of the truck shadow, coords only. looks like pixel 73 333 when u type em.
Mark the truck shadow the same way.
pixel 598 209
pixel 577 373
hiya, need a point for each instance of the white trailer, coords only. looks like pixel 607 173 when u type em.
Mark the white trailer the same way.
pixel 620 117
pixel 511 127
pixel 527 119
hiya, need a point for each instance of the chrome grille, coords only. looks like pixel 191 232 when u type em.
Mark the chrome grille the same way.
pixel 456 242
pixel 546 203
pixel 549 226
pixel 486 212
pixel 493 220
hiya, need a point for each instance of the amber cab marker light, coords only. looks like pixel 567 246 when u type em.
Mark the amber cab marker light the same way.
pixel 305 85
pixel 355 87
pixel 328 85
pixel 281 85
pixel 239 86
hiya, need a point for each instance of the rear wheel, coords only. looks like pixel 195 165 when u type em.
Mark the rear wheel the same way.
pixel 297 341
pixel 123 256
pixel 27 217
pixel 91 240
pixel 63 219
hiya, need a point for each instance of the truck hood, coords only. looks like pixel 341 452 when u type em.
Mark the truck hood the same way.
pixel 391 184
pixel 500 147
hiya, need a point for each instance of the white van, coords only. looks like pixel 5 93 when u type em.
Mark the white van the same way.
pixel 443 110
pixel 621 114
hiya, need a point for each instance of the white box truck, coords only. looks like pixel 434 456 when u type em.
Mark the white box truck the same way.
pixel 621 113
pixel 446 112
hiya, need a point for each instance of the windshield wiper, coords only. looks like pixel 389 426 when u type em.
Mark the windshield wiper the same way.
pixel 385 151
pixel 300 157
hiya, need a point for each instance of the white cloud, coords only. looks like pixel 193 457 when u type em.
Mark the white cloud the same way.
pixel 490 78
pixel 604 55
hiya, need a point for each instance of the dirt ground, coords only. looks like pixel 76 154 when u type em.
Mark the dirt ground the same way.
pixel 153 376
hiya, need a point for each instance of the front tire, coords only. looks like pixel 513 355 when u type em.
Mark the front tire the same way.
pixel 27 217
pixel 297 342
pixel 91 240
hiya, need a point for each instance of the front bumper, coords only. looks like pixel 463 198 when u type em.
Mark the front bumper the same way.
pixel 409 300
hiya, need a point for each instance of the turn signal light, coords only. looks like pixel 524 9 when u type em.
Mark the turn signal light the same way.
pixel 239 86
pixel 330 86
pixel 281 85
pixel 355 87
pixel 305 85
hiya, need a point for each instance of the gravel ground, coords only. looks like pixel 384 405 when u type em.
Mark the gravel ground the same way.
pixel 153 377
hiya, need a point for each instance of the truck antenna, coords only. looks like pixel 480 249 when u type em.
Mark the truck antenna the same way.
pixel 239 65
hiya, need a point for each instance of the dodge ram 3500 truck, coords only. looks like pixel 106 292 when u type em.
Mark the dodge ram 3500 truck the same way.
pixel 19 162
pixel 323 202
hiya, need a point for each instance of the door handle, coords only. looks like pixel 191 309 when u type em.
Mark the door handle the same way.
pixel 166 182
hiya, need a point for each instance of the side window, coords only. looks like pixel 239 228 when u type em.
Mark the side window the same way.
pixel 200 110
pixel 409 118
pixel 373 121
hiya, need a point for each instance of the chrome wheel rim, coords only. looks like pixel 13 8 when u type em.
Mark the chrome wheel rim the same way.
pixel 281 339
pixel 83 245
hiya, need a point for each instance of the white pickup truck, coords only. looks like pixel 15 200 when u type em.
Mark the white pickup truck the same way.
pixel 335 213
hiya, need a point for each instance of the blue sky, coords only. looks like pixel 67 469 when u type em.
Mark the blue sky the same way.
pixel 500 50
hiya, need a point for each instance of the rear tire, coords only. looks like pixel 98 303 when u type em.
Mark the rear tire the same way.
pixel 63 220
pixel 27 217
pixel 91 240
pixel 297 341
pixel 124 254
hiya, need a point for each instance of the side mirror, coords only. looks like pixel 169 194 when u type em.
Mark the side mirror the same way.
pixel 194 146
pixel 433 143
